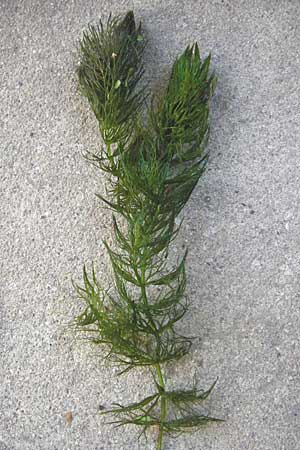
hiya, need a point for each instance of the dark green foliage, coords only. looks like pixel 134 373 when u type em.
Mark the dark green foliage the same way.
pixel 153 168
pixel 110 68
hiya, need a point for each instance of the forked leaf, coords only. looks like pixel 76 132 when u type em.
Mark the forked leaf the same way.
pixel 131 407
pixel 170 277
pixel 188 423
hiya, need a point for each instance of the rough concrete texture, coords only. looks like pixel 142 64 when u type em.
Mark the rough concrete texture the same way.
pixel 242 226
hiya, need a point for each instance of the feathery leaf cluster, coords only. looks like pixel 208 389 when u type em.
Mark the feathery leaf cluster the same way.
pixel 154 166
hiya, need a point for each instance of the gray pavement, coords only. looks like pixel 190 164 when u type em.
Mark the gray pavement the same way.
pixel 242 227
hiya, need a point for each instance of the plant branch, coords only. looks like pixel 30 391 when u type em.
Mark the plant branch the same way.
pixel 154 163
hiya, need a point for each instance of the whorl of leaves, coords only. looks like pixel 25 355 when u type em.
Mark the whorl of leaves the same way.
pixel 154 166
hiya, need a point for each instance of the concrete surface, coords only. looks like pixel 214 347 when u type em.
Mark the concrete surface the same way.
pixel 242 227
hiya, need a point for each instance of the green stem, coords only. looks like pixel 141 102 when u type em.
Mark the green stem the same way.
pixel 163 407
pixel 145 299
pixel 109 155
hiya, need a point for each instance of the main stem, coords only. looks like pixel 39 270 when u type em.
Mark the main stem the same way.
pixel 163 407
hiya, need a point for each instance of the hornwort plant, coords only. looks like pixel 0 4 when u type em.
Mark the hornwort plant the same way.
pixel 153 167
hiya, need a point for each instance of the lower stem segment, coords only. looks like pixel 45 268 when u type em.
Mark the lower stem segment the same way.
pixel 163 407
